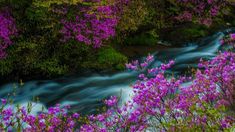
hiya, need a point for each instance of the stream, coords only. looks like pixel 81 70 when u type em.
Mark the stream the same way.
pixel 85 94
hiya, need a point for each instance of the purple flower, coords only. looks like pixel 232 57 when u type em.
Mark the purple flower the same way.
pixel 112 101
pixel 7 30
pixel 4 101
pixel 232 36
pixel 76 115
pixel 92 28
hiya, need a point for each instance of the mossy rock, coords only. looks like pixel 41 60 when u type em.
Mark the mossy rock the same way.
pixel 110 58
pixel 107 59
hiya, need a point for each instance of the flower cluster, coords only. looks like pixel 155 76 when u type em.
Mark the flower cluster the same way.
pixel 201 11
pixel 19 118
pixel 135 65
pixel 229 39
pixel 7 30
pixel 93 25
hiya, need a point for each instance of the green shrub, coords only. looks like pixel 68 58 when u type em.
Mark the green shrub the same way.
pixel 25 56
pixel 51 67
pixel 137 13
pixel 6 66
pixel 22 59
pixel 81 57
pixel 37 58
pixel 28 58
pixel 74 54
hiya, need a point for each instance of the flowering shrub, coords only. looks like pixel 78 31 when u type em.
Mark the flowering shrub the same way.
pixel 7 30
pixel 94 24
pixel 56 119
pixel 230 39
pixel 165 104
pixel 202 11
pixel 158 104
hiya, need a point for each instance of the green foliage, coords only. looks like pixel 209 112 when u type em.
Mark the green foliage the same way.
pixel 134 15
pixel 163 12
pixel 193 33
pixel 106 58
pixel 15 3
pixel 24 56
pixel 186 33
pixel 40 21
pixel 38 49
pixel 48 3
pixel 109 58
pixel 51 67
pixel 74 54
pixel 148 38
pixel 37 13
pixel 27 58
pixel 153 15
pixel 6 66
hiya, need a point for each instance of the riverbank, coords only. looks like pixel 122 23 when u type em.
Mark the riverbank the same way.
pixel 76 59
pixel 131 52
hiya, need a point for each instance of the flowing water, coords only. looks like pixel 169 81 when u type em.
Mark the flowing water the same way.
pixel 85 94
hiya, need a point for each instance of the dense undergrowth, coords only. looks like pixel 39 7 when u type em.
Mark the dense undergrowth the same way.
pixel 53 38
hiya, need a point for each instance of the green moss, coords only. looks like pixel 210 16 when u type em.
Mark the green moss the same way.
pixel 110 58
pixel 81 57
